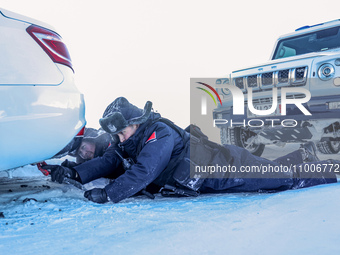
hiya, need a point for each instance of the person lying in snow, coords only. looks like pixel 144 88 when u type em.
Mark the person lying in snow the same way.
pixel 93 145
pixel 159 153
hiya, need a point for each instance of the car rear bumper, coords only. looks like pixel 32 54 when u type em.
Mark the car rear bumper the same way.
pixel 45 121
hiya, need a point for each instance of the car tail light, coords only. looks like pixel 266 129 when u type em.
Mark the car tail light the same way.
pixel 52 44
pixel 81 132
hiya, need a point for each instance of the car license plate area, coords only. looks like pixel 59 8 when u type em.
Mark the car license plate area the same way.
pixel 263 107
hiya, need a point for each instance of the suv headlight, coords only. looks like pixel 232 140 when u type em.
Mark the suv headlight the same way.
pixel 326 72
pixel 225 91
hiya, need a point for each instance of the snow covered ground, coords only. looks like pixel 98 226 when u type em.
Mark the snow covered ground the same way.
pixel 41 217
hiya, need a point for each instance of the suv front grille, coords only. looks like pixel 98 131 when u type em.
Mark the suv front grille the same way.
pixel 252 81
pixel 300 72
pixel 239 82
pixel 281 78
pixel 267 79
pixel 299 76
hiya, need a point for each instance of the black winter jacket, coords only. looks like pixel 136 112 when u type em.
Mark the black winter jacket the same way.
pixel 155 144
pixel 152 147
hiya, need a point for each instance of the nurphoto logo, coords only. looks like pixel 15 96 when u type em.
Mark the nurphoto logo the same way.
pixel 241 102
pixel 238 100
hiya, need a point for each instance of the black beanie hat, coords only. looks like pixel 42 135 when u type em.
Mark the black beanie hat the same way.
pixel 121 113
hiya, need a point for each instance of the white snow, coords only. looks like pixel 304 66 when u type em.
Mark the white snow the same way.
pixel 62 221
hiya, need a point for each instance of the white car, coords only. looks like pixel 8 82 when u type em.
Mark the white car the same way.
pixel 41 109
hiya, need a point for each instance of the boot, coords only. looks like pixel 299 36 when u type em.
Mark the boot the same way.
pixel 308 152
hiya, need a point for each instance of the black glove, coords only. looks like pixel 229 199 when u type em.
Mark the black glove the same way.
pixel 68 163
pixel 58 173
pixel 96 195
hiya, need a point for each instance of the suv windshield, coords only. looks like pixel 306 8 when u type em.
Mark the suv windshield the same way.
pixel 312 42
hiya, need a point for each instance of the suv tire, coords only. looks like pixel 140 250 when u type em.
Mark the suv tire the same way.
pixel 238 136
pixel 328 147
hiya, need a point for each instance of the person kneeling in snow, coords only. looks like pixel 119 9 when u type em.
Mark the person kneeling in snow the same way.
pixel 159 156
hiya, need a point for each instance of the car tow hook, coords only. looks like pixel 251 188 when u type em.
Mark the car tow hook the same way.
pixel 40 166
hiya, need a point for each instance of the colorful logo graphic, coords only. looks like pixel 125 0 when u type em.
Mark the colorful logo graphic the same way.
pixel 209 93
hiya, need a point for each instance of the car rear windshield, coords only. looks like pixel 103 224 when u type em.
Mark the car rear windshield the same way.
pixel 313 42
